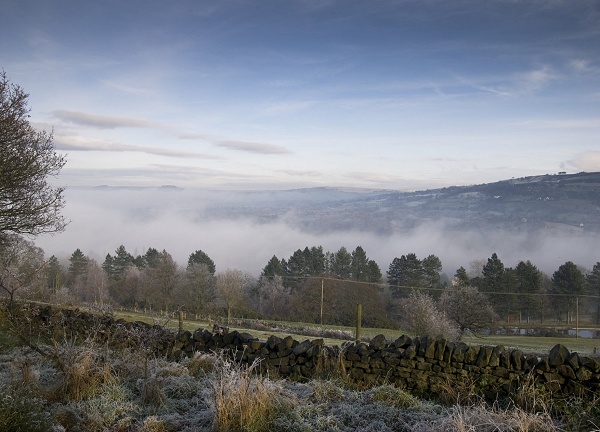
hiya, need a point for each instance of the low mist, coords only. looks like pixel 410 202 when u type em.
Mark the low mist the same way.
pixel 223 225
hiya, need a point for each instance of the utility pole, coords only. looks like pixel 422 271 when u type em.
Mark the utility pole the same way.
pixel 321 301
pixel 577 317
pixel 358 321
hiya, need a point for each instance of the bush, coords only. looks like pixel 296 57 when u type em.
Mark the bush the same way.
pixel 20 411
pixel 421 317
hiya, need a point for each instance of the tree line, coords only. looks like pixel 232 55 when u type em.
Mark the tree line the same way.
pixel 312 285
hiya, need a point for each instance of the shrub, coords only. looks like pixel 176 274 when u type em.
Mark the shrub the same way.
pixel 153 393
pixel 327 390
pixel 421 317
pixel 20 411
pixel 484 418
pixel 110 403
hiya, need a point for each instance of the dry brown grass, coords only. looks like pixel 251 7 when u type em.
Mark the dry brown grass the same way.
pixel 484 418
pixel 153 393
pixel 245 401
pixel 201 364
pixel 24 373
pixel 462 391
pixel 84 371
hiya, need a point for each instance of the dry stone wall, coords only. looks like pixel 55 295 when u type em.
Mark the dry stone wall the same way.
pixel 425 365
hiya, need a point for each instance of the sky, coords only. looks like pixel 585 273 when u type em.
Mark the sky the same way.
pixel 271 94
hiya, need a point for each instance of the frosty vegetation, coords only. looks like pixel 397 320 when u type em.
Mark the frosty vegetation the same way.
pixel 60 385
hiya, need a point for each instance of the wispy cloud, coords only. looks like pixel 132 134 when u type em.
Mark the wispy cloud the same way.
pixel 129 89
pixel 534 80
pixel 74 143
pixel 587 161
pixel 289 106
pixel 561 123
pixel 102 121
pixel 301 173
pixel 195 136
pixel 252 147
pixel 245 146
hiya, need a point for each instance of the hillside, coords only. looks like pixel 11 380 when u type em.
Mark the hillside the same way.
pixel 564 202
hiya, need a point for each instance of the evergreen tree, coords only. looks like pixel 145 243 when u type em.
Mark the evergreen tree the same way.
pixel 567 283
pixel 162 281
pixel 461 278
pixel 121 261
pixel 199 257
pixel 316 261
pixel 296 270
pixel 78 264
pixel 197 291
pixel 55 275
pixel 108 266
pixel 593 283
pixel 432 267
pixel 341 262
pixel 359 264
pixel 493 274
pixel 493 281
pixel 373 272
pixel 275 267
pixel 405 274
pixel 151 258
pixel 529 284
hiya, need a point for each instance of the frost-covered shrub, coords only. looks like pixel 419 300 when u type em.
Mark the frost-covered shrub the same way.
pixel 420 316
pixel 21 411
pixel 111 403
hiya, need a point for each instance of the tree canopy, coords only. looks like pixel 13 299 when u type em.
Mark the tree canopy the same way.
pixel 29 204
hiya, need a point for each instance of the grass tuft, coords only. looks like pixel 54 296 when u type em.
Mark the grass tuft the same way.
pixel 201 364
pixel 83 373
pixel 394 396
pixel 243 400
pixel 153 393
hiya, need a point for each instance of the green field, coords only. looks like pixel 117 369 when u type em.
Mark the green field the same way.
pixel 525 343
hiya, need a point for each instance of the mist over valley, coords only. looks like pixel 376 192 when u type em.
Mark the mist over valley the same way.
pixel 547 219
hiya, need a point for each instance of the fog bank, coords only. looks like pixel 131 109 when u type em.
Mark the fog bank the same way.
pixel 181 222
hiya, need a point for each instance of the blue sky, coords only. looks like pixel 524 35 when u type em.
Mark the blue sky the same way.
pixel 279 94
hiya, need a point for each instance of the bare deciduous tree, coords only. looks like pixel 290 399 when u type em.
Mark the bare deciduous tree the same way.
pixel 275 294
pixel 197 290
pixel 21 263
pixel 420 315
pixel 468 308
pixel 28 202
pixel 231 287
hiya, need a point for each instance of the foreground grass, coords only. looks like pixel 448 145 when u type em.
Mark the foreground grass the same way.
pixel 89 387
pixel 117 391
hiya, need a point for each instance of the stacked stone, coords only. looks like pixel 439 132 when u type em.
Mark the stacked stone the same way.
pixel 428 364
pixel 286 357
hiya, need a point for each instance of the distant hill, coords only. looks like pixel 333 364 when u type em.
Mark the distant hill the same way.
pixel 562 202
pixel 548 219
pixel 553 204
